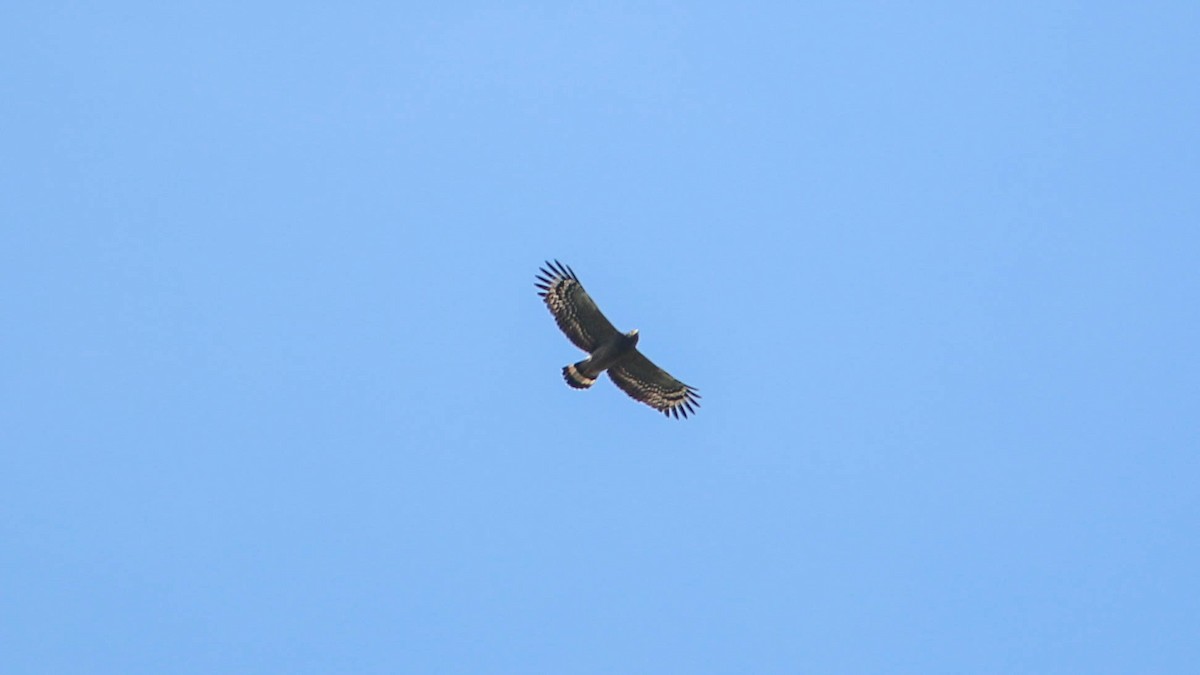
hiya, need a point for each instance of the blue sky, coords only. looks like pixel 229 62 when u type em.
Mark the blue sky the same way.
pixel 279 396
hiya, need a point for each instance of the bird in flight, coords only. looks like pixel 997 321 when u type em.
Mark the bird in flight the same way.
pixel 608 348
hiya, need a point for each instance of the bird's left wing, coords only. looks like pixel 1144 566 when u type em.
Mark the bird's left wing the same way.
pixel 637 376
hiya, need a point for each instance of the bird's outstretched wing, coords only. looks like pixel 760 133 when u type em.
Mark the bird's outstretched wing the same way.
pixel 573 309
pixel 637 376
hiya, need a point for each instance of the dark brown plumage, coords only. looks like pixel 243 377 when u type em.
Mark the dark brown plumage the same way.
pixel 608 348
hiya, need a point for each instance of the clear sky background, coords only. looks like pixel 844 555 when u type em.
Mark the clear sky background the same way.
pixel 278 394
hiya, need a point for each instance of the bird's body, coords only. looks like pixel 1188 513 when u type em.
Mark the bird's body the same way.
pixel 583 374
pixel 608 349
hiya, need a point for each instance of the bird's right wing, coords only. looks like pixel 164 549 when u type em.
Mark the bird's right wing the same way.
pixel 573 309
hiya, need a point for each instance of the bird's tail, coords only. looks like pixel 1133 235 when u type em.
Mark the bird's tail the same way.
pixel 578 376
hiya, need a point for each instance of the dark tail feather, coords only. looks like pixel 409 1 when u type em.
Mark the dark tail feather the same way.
pixel 577 376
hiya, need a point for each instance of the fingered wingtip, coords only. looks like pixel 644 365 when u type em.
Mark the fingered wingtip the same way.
pixel 557 270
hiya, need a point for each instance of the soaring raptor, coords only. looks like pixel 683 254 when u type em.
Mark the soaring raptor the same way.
pixel 608 348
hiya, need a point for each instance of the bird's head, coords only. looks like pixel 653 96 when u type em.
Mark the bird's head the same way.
pixel 632 336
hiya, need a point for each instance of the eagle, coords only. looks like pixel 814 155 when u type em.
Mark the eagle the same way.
pixel 608 348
